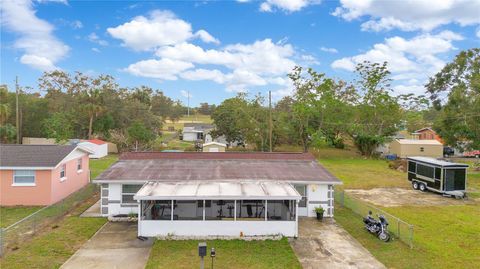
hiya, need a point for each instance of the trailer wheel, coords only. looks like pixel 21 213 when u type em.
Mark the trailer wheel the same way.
pixel 415 185
pixel 422 187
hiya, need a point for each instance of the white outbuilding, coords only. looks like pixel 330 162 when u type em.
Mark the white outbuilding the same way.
pixel 214 147
pixel 97 146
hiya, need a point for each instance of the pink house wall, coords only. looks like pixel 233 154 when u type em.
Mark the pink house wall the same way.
pixel 48 188
pixel 25 195
pixel 75 180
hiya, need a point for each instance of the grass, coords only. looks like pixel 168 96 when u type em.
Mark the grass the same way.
pixel 445 237
pixel 229 254
pixel 11 214
pixel 56 243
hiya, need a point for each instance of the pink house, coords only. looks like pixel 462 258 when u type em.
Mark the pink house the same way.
pixel 41 174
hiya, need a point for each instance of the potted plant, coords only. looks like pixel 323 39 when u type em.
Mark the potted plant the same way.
pixel 319 211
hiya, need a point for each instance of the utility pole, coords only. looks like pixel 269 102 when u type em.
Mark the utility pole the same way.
pixel 17 114
pixel 270 118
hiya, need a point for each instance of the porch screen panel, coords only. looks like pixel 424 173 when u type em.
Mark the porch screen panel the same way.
pixel 188 210
pixel 281 210
pixel 251 209
pixel 219 209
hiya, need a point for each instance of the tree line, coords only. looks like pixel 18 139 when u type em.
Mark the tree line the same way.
pixel 365 111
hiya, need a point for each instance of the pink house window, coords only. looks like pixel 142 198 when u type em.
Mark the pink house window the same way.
pixel 63 171
pixel 79 164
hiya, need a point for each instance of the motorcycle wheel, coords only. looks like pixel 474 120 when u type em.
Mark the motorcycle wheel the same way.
pixel 385 237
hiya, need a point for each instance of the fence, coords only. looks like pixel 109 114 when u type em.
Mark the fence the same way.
pixel 27 227
pixel 399 228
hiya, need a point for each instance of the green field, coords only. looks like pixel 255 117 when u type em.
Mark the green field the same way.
pixel 11 214
pixel 98 166
pixel 445 236
pixel 229 254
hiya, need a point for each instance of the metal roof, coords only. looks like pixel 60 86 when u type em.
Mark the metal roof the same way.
pixel 33 155
pixel 245 190
pixel 436 162
pixel 208 166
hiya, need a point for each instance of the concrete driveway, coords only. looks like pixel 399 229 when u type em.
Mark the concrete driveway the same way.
pixel 114 246
pixel 327 245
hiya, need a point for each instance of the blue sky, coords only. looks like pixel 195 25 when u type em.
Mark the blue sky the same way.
pixel 215 49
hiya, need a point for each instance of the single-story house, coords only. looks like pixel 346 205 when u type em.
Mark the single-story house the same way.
pixel 195 131
pixel 229 193
pixel 427 134
pixel 97 146
pixel 404 148
pixel 214 147
pixel 41 174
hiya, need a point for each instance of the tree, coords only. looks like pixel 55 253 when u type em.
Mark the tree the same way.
pixel 227 120
pixel 459 83
pixel 8 133
pixel 139 134
pixel 59 127
pixel 377 113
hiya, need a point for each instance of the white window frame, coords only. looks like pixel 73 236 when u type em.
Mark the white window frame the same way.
pixel 303 195
pixel 24 184
pixel 79 165
pixel 128 193
pixel 63 170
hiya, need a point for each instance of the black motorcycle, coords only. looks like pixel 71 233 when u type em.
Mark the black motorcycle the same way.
pixel 377 227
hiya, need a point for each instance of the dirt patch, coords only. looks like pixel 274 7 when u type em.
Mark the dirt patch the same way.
pixel 391 197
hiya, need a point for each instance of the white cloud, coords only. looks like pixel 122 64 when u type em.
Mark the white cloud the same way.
pixel 165 69
pixel 409 15
pixel 478 33
pixel 206 37
pixel 160 28
pixel 93 37
pixel 41 48
pixel 96 50
pixel 329 50
pixel 286 5
pixel 77 24
pixel 411 61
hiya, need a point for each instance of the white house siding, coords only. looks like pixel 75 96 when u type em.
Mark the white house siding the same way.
pixel 111 201
pixel 222 228
pixel 187 136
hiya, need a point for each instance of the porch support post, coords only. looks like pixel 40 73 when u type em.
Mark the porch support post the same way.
pixel 140 214
pixel 171 212
pixel 296 218
pixel 234 210
pixel 266 204
pixel 204 210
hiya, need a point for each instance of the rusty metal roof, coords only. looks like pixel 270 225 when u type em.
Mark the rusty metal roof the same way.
pixel 205 166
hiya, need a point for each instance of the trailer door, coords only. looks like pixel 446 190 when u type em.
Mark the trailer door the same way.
pixel 455 179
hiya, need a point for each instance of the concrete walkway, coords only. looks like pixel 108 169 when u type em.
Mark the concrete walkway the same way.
pixel 93 211
pixel 327 245
pixel 115 245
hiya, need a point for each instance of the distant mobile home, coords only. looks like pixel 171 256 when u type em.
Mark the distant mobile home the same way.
pixel 404 148
pixel 214 147
pixel 41 174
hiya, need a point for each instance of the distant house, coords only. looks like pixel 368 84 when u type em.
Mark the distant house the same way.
pixel 214 147
pixel 412 147
pixel 196 131
pixel 97 146
pixel 41 174
pixel 427 134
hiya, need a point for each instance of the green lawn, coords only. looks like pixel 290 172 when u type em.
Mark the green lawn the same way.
pixel 229 254
pixel 444 237
pixel 52 247
pixel 97 166
pixel 10 215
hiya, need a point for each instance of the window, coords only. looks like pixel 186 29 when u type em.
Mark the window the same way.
pixel 79 165
pixel 412 167
pixel 24 178
pixel 219 210
pixel 188 210
pixel 128 191
pixel 425 171
pixel 422 149
pixel 63 173
pixel 302 190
